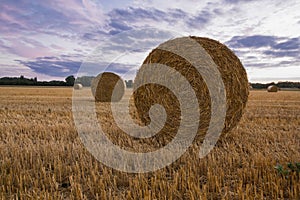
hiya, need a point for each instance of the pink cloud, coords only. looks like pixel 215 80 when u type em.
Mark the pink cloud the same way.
pixel 27 50
pixel 57 47
pixel 85 12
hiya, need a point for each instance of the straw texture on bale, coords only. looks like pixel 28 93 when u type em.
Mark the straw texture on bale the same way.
pixel 233 75
pixel 108 87
pixel 78 86
pixel 272 88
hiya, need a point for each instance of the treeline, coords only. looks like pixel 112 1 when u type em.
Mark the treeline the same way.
pixel 285 84
pixel 86 82
pixel 69 81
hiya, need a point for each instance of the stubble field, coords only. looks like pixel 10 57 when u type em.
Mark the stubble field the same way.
pixel 41 156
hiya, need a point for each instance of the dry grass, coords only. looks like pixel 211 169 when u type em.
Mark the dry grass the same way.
pixel 42 157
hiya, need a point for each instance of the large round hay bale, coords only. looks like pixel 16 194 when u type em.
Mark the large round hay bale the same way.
pixel 108 87
pixel 78 86
pixel 233 75
pixel 272 88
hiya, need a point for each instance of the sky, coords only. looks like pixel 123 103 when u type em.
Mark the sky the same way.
pixel 53 39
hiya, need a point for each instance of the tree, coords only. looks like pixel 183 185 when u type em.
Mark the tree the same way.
pixel 70 80
pixel 129 83
pixel 85 80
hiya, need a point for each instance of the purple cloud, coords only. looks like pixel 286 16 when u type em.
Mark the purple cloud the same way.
pixel 238 1
pixel 25 47
pixel 290 44
pixel 255 41
pixel 52 67
pixel 200 20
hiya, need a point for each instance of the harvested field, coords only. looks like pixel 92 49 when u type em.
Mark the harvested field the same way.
pixel 43 158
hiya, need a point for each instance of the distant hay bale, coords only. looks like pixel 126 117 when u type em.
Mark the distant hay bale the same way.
pixel 273 88
pixel 250 86
pixel 108 87
pixel 78 86
pixel 233 75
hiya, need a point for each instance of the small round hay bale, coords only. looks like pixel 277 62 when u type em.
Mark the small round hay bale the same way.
pixel 250 86
pixel 273 88
pixel 78 86
pixel 108 87
pixel 233 75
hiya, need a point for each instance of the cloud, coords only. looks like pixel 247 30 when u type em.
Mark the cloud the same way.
pixel 173 18
pixel 65 65
pixel 119 25
pixel 276 46
pixel 188 6
pixel 200 19
pixel 238 1
pixel 52 67
pixel 26 16
pixel 117 21
pixel 274 53
pixel 287 63
pixel 17 70
pixel 274 74
pixel 136 14
pixel 94 68
pixel 255 41
pixel 56 66
pixel 290 44
pixel 25 47
pixel 89 36
pixel 50 17
pixel 265 51
pixel 133 40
